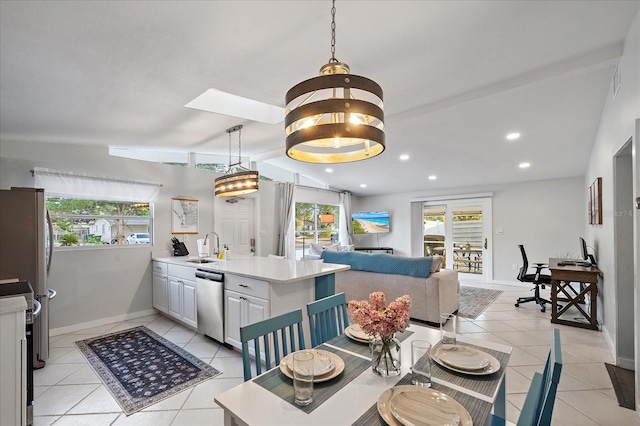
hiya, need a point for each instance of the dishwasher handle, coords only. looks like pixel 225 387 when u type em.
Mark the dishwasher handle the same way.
pixel 208 275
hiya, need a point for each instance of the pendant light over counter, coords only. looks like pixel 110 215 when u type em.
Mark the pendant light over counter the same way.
pixel 335 118
pixel 239 183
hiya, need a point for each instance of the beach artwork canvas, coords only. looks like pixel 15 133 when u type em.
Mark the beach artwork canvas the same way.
pixel 370 222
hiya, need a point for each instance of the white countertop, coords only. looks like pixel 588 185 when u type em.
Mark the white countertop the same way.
pixel 264 268
pixel 12 304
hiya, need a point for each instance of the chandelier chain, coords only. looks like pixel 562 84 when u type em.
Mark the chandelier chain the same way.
pixel 229 166
pixel 240 147
pixel 333 32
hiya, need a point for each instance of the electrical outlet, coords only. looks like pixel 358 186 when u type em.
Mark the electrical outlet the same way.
pixel 263 233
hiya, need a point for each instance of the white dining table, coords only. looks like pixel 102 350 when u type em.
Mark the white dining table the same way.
pixel 251 404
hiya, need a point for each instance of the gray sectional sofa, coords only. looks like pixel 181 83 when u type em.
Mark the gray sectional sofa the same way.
pixel 432 295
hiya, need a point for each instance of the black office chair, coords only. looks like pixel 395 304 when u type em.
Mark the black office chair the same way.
pixel 538 279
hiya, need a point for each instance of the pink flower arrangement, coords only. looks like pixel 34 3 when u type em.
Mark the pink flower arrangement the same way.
pixel 375 318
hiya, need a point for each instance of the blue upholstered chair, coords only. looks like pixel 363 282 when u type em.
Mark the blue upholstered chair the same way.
pixel 278 333
pixel 538 406
pixel 327 318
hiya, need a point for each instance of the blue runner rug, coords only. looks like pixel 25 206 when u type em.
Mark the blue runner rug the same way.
pixel 140 368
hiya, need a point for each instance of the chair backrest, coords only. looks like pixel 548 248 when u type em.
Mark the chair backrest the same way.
pixel 525 264
pixel 528 415
pixel 550 379
pixel 277 334
pixel 327 318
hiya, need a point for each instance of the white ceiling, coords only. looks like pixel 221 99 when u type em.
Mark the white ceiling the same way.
pixel 457 77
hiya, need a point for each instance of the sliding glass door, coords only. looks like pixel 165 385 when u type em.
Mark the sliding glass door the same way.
pixel 459 230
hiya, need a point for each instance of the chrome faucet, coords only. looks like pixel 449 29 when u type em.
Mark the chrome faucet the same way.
pixel 206 237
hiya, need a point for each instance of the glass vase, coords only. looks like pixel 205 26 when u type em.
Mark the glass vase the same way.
pixel 385 356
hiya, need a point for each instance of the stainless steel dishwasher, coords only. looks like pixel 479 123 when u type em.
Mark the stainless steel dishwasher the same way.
pixel 210 297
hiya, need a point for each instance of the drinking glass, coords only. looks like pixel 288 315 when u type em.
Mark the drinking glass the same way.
pixel 303 377
pixel 448 328
pixel 421 363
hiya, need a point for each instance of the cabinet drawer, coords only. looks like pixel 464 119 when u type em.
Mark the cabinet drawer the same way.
pixel 249 286
pixel 184 272
pixel 159 267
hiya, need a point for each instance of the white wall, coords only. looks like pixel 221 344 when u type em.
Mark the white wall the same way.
pixel 98 283
pixel 547 216
pixel 617 126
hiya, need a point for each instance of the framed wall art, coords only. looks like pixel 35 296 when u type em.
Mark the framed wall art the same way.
pixel 595 202
pixel 184 216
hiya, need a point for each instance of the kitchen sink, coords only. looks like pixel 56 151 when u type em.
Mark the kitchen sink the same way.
pixel 201 261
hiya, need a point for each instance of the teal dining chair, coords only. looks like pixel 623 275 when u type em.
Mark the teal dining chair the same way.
pixel 278 334
pixel 327 318
pixel 538 405
pixel 551 378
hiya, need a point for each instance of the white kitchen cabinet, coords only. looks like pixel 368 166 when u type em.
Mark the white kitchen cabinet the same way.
pixel 240 310
pixel 13 368
pixel 178 296
pixel 160 287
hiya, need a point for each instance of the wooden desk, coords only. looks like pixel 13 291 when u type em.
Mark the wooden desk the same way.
pixel 561 291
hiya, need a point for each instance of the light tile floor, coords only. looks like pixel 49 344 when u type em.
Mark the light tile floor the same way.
pixel 69 393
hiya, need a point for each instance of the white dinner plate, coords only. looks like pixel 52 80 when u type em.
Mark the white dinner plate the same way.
pixel 414 405
pixel 354 332
pixel 332 359
pixel 463 357
pixel 494 364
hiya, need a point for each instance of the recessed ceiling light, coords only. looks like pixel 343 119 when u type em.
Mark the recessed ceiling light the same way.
pixel 404 157
pixel 363 185
pixel 433 177
pixel 513 136
pixel 328 170
pixel 524 165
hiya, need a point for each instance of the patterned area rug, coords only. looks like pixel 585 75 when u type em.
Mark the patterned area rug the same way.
pixel 141 368
pixel 473 300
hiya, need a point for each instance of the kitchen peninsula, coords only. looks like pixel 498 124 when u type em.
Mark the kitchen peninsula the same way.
pixel 250 289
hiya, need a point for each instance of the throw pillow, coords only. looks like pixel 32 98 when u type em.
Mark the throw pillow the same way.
pixel 317 248
pixel 436 263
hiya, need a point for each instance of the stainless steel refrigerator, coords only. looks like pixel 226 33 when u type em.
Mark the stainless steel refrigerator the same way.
pixel 26 249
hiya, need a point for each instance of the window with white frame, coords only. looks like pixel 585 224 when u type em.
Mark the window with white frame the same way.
pixel 95 210
pixel 315 223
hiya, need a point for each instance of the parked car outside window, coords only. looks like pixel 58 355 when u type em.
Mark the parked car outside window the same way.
pixel 138 238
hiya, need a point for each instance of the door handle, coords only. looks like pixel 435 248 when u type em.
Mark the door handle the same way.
pixel 485 243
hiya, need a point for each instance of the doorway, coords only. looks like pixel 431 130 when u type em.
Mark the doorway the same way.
pixel 234 222
pixel 624 256
pixel 459 230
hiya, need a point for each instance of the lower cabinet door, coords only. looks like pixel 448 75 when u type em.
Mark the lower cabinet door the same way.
pixel 175 297
pixel 189 303
pixel 256 309
pixel 160 293
pixel 232 318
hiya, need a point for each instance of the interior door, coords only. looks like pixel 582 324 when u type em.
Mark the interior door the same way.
pixel 460 230
pixel 234 222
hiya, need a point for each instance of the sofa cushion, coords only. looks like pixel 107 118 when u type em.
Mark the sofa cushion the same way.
pixel 382 263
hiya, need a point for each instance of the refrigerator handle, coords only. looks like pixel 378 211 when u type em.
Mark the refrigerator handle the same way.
pixel 52 293
pixel 38 308
pixel 50 242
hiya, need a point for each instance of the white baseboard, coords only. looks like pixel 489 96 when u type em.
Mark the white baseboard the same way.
pixel 103 321
pixel 628 363
pixel 609 341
